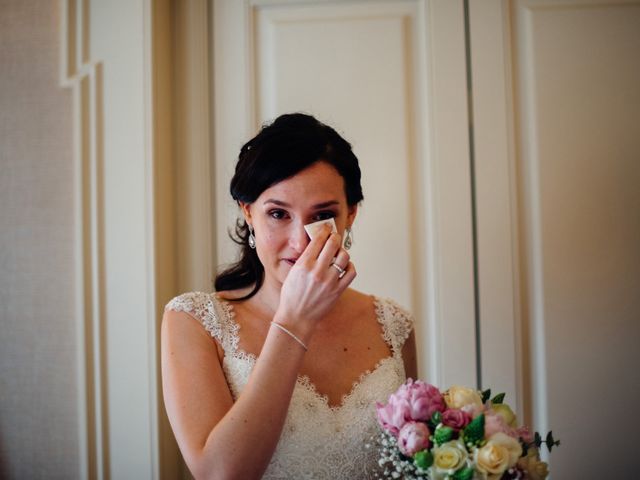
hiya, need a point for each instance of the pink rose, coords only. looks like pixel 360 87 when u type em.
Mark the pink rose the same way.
pixel 494 423
pixel 413 437
pixel 456 419
pixel 524 433
pixel 393 415
pixel 424 399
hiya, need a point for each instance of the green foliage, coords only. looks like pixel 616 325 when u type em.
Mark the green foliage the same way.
pixel 474 432
pixel 537 440
pixel 435 420
pixel 463 474
pixel 443 435
pixel 525 447
pixel 549 441
pixel 498 399
pixel 486 395
pixel 423 459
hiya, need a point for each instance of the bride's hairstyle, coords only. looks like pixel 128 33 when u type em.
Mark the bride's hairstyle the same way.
pixel 279 151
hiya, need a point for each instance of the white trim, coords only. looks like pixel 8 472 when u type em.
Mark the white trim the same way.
pixel 532 224
pixel 84 81
pixel 430 305
pixel 150 240
pixel 193 148
pixel 495 201
pixel 449 266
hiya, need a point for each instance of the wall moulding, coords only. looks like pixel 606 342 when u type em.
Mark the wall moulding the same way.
pixel 84 78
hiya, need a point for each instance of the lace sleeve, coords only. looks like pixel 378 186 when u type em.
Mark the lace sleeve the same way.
pixel 206 308
pixel 397 323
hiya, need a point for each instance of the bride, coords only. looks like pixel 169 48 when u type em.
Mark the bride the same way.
pixel 276 374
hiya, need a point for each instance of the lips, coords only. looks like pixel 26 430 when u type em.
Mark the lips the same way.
pixel 290 261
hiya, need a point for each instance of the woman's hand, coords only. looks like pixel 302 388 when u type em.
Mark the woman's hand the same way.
pixel 313 284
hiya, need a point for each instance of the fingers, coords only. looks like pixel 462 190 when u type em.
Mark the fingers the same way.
pixel 330 251
pixel 342 259
pixel 345 276
pixel 350 274
pixel 325 255
pixel 316 245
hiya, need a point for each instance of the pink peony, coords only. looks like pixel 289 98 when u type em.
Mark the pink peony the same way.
pixel 413 437
pixel 424 399
pixel 456 419
pixel 413 401
pixel 393 415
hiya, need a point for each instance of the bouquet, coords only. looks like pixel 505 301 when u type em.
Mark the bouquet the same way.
pixel 459 434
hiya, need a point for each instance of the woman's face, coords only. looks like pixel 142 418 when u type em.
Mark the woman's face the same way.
pixel 279 214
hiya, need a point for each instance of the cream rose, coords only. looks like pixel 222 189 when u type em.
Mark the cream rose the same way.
pixel 449 457
pixel 535 468
pixel 459 397
pixel 499 453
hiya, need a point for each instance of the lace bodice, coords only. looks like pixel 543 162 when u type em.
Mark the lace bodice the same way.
pixel 318 441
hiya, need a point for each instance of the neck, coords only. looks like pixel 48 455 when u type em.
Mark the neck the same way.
pixel 269 296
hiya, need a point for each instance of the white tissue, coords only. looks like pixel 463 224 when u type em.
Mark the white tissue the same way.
pixel 312 228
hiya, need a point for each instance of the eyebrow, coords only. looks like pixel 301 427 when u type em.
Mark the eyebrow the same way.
pixel 316 206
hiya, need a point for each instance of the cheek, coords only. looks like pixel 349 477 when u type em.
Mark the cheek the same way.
pixel 271 237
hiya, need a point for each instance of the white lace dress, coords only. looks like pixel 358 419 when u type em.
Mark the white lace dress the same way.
pixel 318 441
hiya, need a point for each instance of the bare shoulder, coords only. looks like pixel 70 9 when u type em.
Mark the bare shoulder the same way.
pixel 181 332
pixel 358 304
pixel 183 335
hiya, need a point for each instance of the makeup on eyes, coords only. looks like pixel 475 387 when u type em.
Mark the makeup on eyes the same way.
pixel 313 228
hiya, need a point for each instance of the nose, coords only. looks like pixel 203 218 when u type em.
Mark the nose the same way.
pixel 298 239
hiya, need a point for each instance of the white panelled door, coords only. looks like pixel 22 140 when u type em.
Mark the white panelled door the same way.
pixel 391 77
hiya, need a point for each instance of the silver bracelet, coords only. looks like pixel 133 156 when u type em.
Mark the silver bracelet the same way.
pixel 291 334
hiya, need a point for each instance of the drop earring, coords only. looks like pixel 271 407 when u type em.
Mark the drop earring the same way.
pixel 252 238
pixel 348 239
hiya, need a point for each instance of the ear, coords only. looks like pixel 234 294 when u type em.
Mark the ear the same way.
pixel 246 212
pixel 351 215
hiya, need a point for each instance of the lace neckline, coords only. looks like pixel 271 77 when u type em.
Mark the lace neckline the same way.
pixel 303 381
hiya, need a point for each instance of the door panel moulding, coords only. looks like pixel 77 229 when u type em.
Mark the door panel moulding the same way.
pixel 84 78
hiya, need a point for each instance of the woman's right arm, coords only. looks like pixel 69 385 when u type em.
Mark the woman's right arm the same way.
pixel 217 437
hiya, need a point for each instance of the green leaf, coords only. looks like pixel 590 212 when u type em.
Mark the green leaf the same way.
pixel 423 459
pixel 498 399
pixel 463 474
pixel 486 395
pixel 537 440
pixel 550 441
pixel 443 435
pixel 474 432
pixel 434 421
pixel 436 418
pixel 525 447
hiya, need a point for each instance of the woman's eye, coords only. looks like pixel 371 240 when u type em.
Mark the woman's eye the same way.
pixel 324 216
pixel 278 214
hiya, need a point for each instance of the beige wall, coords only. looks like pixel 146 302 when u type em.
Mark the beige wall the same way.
pixel 38 421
